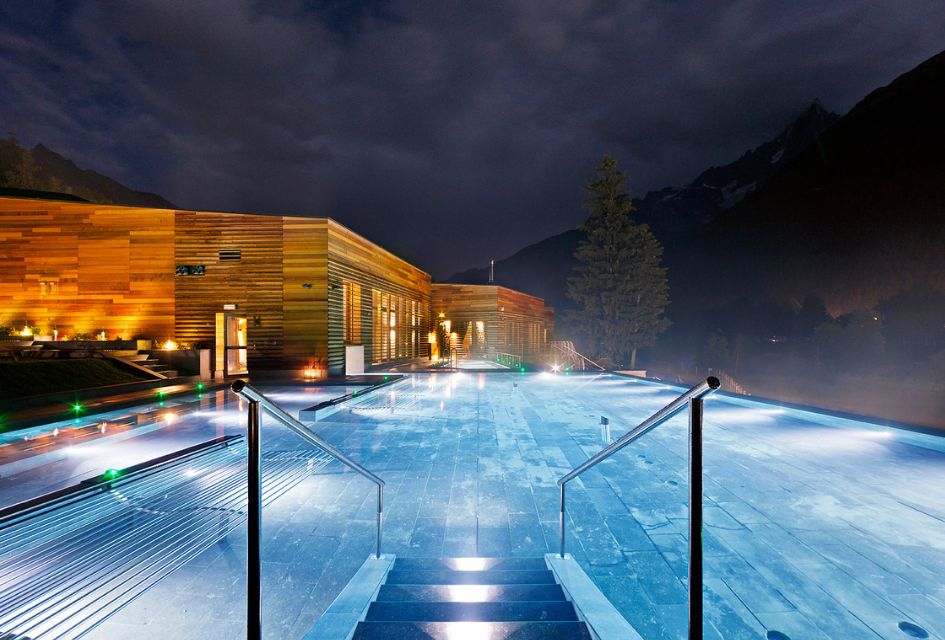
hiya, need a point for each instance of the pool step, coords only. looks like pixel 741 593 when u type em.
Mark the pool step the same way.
pixel 469 593
pixel 494 611
pixel 471 564
pixel 449 598
pixel 445 576
pixel 471 630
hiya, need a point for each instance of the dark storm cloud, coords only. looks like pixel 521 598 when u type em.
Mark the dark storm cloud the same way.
pixel 449 132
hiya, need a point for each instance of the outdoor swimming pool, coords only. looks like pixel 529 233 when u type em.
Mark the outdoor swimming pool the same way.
pixel 817 527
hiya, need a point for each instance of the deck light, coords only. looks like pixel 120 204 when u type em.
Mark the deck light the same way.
pixel 112 473
pixel 77 407
pixel 470 564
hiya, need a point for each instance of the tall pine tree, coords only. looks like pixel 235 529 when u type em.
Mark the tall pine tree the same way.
pixel 619 282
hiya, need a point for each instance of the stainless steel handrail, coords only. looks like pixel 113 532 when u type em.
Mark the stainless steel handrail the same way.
pixel 692 398
pixel 254 525
pixel 510 359
pixel 571 352
pixel 251 393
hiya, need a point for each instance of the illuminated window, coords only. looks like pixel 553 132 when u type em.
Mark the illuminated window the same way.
pixel 395 327
pixel 352 313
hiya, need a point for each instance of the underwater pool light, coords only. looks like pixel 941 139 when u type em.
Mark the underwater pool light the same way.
pixel 471 593
pixel 470 564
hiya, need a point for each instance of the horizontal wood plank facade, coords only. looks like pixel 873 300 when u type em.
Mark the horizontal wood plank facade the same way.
pixel 352 258
pixel 254 283
pixel 512 322
pixel 161 274
pixel 158 273
pixel 80 268
pixel 305 292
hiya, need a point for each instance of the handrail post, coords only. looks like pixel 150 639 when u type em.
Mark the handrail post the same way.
pixel 561 518
pixel 380 511
pixel 695 519
pixel 254 526
pixel 692 398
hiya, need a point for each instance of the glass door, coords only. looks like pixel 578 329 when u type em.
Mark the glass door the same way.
pixel 231 344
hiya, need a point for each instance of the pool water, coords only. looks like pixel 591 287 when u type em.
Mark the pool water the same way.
pixel 816 527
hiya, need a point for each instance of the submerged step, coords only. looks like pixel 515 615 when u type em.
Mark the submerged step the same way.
pixel 445 576
pixel 471 611
pixel 471 564
pixel 455 630
pixel 469 593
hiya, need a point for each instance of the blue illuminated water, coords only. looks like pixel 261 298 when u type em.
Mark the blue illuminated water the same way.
pixel 817 527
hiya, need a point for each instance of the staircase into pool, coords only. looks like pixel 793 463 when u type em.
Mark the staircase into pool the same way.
pixel 471 599
pixel 493 598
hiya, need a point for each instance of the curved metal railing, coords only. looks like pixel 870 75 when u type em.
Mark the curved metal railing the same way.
pixel 692 399
pixel 254 550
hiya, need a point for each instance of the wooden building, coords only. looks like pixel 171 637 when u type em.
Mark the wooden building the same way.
pixel 265 291
pixel 488 320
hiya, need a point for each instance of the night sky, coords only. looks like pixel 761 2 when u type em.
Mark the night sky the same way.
pixel 449 132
